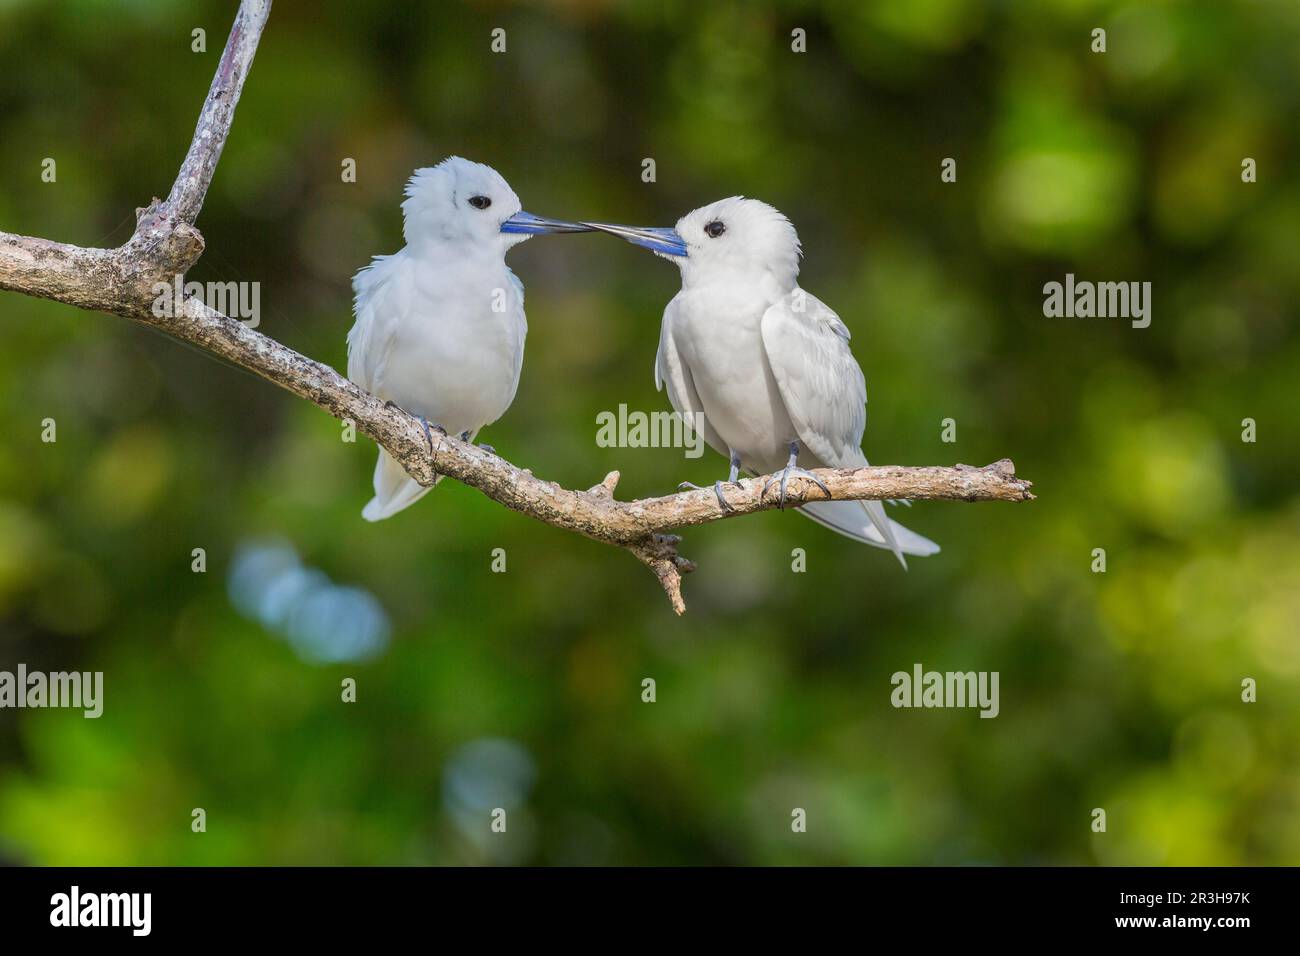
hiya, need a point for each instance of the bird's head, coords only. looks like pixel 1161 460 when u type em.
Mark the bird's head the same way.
pixel 737 235
pixel 463 202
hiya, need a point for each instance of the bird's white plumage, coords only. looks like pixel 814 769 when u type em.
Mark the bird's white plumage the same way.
pixel 672 373
pixel 822 386
pixel 760 363
pixel 440 324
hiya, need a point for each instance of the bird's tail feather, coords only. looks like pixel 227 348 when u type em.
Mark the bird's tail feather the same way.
pixel 395 490
pixel 867 522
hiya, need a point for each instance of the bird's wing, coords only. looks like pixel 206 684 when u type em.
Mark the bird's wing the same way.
pixel 825 395
pixel 672 371
pixel 820 382
pixel 517 283
pixel 520 330
pixel 379 306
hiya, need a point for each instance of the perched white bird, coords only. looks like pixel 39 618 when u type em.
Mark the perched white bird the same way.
pixel 440 324
pixel 761 365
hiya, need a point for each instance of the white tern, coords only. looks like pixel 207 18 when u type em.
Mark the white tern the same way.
pixel 762 366
pixel 440 324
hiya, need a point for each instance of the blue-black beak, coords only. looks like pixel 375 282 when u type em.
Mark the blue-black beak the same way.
pixel 525 223
pixel 665 242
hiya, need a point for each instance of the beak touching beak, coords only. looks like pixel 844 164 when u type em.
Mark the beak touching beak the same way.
pixel 526 224
pixel 665 242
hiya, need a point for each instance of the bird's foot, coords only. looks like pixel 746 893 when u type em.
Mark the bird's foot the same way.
pixel 465 436
pixel 717 490
pixel 424 423
pixel 793 471
pixel 428 431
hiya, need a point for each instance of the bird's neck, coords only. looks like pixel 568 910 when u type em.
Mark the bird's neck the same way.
pixel 761 279
pixel 441 251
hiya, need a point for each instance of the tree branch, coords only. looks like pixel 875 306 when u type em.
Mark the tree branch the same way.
pixel 191 186
pixel 166 244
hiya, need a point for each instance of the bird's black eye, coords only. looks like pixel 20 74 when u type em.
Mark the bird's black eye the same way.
pixel 715 229
pixel 480 202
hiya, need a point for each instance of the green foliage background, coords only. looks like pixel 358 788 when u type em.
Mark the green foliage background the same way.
pixel 1118 690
